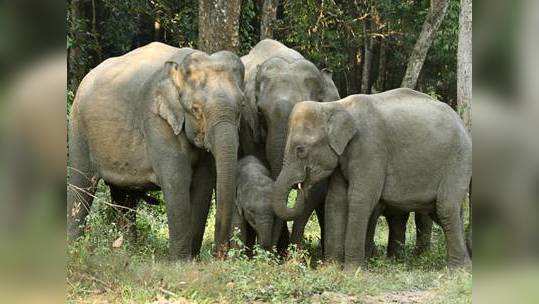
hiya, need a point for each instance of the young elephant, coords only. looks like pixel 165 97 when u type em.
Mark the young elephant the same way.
pixel 253 215
pixel 400 149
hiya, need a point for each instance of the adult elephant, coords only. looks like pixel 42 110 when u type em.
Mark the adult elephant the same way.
pixel 399 149
pixel 145 121
pixel 277 78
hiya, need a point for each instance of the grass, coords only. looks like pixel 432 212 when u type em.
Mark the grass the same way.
pixel 139 272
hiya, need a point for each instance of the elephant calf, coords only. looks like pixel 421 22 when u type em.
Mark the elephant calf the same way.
pixel 254 216
pixel 399 149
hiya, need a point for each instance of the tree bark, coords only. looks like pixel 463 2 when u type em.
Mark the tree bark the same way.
pixel 269 16
pixel 95 34
pixel 464 63
pixel 74 51
pixel 435 16
pixel 367 58
pixel 218 25
pixel 382 66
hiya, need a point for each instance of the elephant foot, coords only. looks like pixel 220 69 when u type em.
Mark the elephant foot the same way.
pixel 74 234
pixel 420 250
pixel 180 257
pixel 180 253
pixel 220 251
pixel 299 247
pixel 465 264
pixel 351 268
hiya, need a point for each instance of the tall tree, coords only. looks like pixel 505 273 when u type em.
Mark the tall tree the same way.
pixel 464 65
pixel 367 57
pixel 382 66
pixel 74 51
pixel 218 25
pixel 435 16
pixel 269 16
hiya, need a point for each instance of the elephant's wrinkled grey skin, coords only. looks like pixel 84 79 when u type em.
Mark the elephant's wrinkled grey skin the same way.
pixel 399 148
pixel 276 78
pixel 145 120
pixel 254 216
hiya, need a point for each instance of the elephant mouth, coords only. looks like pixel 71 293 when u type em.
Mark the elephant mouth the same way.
pixel 301 186
pixel 302 183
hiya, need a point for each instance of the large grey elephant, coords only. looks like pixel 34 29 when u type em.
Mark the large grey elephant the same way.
pixel 254 216
pixel 144 121
pixel 400 149
pixel 276 78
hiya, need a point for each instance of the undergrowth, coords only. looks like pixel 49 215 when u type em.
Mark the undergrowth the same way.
pixel 138 271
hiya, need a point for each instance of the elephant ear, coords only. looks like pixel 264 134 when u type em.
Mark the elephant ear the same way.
pixel 329 90
pixel 341 129
pixel 166 101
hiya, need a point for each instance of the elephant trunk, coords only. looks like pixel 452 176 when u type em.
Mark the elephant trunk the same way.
pixel 275 144
pixel 225 151
pixel 264 234
pixel 282 187
pixel 276 233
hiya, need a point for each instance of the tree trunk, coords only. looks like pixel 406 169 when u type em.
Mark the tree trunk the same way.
pixel 218 25
pixel 382 67
pixel 464 59
pixel 95 34
pixel 435 16
pixel 367 58
pixel 74 51
pixel 269 16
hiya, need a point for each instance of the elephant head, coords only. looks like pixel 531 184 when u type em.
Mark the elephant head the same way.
pixel 279 84
pixel 260 216
pixel 318 134
pixel 202 96
pixel 253 201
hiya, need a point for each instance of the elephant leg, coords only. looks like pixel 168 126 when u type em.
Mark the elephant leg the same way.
pixel 126 214
pixel 396 221
pixel 250 239
pixel 370 246
pixel 469 234
pixel 336 211
pixel 176 193
pixel 320 216
pixel 172 166
pixel 319 200
pixel 364 193
pixel 81 186
pixel 448 213
pixel 202 187
pixel 284 240
pixel 423 226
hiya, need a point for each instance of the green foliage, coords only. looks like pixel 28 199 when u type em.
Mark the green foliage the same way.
pixel 140 272
pixel 327 32
pixel 249 30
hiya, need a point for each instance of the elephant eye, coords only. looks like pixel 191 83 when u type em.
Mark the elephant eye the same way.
pixel 301 151
pixel 197 110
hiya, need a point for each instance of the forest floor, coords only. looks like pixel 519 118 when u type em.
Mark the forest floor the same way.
pixel 104 268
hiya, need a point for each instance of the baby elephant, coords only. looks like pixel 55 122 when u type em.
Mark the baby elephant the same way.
pixel 398 149
pixel 254 216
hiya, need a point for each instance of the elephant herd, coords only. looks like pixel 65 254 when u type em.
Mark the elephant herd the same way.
pixel 254 128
